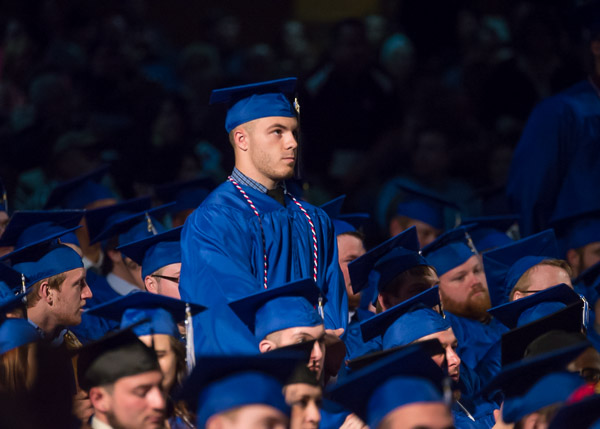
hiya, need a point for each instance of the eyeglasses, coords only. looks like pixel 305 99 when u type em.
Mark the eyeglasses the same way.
pixel 173 279
pixel 532 291
pixel 590 375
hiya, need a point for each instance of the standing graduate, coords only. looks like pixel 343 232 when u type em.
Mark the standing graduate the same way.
pixel 251 233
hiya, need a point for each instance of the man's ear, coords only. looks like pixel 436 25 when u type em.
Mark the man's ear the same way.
pixel 240 138
pixel 518 295
pixel 45 293
pixel 114 255
pixel 266 346
pixel 573 257
pixel 100 399
pixel 215 422
pixel 151 284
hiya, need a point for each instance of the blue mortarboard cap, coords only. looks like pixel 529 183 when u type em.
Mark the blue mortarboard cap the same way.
pixel 405 377
pixel 44 258
pixel 533 307
pixel 505 265
pixel 80 191
pixel 287 306
pixel 117 307
pixel 515 378
pixel 186 194
pixel 581 414
pixel 343 223
pixel 258 100
pixel 43 229
pixel 15 333
pixel 577 231
pixel 568 319
pixel 379 325
pixel 449 250
pixel 23 220
pixel 386 261
pixel 221 383
pixel 424 205
pixel 11 288
pixel 156 321
pixel 99 219
pixel 550 389
pixel 156 251
pixel 489 232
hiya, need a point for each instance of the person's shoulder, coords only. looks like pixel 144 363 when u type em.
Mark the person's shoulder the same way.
pixel 579 97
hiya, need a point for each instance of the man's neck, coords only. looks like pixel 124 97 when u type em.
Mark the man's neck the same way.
pixel 258 178
pixel 43 322
pixel 99 422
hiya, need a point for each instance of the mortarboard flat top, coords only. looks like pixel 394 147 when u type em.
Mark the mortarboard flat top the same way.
pixel 11 288
pixel 343 223
pixel 22 220
pixel 15 333
pixel 449 250
pixel 515 342
pixel 414 378
pixel 98 219
pixel 505 265
pixel 549 389
pixel 154 252
pixel 80 191
pixel 575 230
pixel 96 362
pixel 510 313
pixel 286 306
pixel 258 100
pixel 125 226
pixel 489 232
pixel 221 383
pixel 581 414
pixel 186 194
pixel 360 269
pixel 424 205
pixel 115 308
pixel 378 324
pixel 516 377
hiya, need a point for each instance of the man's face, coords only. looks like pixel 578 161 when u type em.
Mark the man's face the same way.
pixel 272 149
pixel 590 255
pixel 137 402
pixel 349 248
pixel 449 344
pixel 166 357
pixel 543 277
pixel 70 298
pixel 166 285
pixel 412 284
pixel 251 417
pixel 305 401
pixel 425 232
pixel 433 415
pixel 464 290
pixel 302 334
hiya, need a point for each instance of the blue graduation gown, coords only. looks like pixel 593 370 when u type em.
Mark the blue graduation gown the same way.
pixel 479 407
pixel 557 159
pixel 355 346
pixel 222 260
pixel 477 342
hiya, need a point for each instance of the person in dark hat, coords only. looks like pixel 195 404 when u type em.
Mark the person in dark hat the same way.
pixel 304 396
pixel 251 233
pixel 124 381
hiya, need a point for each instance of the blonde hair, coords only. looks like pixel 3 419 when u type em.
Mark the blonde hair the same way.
pixel 525 281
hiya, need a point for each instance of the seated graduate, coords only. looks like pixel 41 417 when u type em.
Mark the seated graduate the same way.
pixel 415 320
pixel 466 299
pixel 403 390
pixel 421 208
pixel 240 391
pixel 124 381
pixel 154 319
pixel 160 259
pixel 86 192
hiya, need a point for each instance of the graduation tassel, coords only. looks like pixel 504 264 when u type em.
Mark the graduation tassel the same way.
pixel 190 352
pixel 151 227
pixel 447 388
pixel 585 313
pixel 320 309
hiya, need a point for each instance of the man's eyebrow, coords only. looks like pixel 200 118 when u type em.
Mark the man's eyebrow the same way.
pixel 285 127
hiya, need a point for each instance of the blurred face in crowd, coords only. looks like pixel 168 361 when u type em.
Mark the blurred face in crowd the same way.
pixel 350 247
pixel 165 281
pixel 287 337
pixel 249 417
pixel 464 290
pixel 305 402
pixel 132 402
pixel 583 258
pixel 450 358
pixel 406 285
pixel 166 357
pixel 425 232
pixel 434 415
